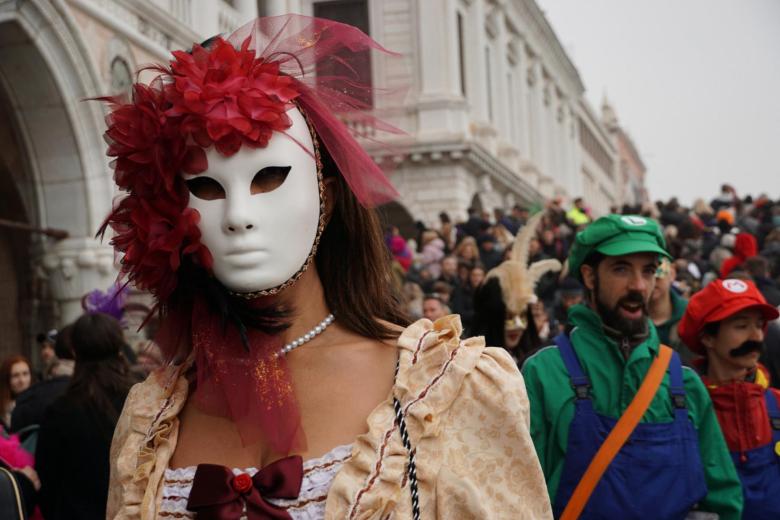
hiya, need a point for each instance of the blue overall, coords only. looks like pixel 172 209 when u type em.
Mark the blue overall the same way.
pixel 759 471
pixel 656 474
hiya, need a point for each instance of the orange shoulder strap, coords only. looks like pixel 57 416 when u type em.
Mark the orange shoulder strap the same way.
pixel 618 436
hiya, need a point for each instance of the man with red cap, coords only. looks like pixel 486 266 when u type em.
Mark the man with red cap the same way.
pixel 726 322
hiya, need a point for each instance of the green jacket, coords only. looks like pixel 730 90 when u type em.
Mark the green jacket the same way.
pixel 667 331
pixel 614 382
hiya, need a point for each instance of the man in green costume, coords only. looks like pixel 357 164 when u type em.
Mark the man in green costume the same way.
pixel 676 459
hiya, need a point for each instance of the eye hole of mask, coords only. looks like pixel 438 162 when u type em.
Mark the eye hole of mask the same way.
pixel 205 188
pixel 269 178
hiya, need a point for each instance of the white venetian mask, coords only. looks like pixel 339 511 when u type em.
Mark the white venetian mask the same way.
pixel 259 209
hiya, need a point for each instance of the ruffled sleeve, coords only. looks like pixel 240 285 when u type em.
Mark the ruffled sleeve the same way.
pixel 466 412
pixel 143 442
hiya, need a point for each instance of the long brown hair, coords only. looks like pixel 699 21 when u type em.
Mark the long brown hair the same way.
pixel 101 378
pixel 5 380
pixel 354 265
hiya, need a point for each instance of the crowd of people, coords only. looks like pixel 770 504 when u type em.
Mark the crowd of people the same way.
pixel 707 279
pixel 442 267
pixel 57 423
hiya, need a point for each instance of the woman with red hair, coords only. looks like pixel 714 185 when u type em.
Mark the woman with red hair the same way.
pixel 15 378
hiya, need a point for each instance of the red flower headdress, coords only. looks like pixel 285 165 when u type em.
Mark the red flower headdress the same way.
pixel 231 93
pixel 234 93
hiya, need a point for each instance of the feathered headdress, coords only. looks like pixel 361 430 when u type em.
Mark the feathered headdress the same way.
pixel 518 280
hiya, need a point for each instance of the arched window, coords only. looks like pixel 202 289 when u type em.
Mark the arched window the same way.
pixel 121 77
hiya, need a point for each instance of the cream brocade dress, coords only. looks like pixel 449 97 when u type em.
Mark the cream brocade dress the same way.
pixel 466 411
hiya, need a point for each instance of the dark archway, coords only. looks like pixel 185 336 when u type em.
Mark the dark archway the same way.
pixel 395 214
pixel 16 284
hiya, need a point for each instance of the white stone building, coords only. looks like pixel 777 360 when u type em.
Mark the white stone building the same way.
pixel 54 175
pixel 495 116
pixel 496 111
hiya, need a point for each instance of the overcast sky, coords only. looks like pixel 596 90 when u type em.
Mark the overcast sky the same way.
pixel 696 83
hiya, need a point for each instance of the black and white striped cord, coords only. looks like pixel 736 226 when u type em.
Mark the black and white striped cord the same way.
pixel 412 470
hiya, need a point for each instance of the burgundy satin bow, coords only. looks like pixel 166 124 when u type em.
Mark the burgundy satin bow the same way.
pixel 219 495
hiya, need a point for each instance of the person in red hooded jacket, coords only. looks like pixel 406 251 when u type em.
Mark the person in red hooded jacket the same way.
pixel 745 247
pixel 726 323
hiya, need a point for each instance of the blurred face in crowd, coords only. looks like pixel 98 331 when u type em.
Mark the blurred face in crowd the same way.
pixel 738 342
pixel 548 237
pixel 663 281
pixel 20 377
pixel 47 352
pixel 570 300
pixel 534 247
pixel 463 272
pixel 514 326
pixel 539 314
pixel 476 277
pixel 449 267
pixel 468 251
pixel 621 287
pixel 433 309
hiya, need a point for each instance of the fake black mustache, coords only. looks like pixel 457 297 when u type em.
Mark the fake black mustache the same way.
pixel 746 348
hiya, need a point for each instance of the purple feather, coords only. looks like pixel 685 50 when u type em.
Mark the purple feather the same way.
pixel 111 302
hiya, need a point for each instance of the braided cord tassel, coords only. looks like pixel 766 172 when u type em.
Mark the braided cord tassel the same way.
pixel 399 417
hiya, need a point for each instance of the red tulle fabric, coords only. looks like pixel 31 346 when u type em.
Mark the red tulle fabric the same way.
pixel 252 386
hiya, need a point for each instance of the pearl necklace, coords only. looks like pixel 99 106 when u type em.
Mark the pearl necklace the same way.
pixel 313 333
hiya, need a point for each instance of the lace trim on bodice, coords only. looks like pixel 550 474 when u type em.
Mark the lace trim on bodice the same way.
pixel 318 475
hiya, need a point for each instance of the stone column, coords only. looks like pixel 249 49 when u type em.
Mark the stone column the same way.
pixel 205 18
pixel 564 146
pixel 475 56
pixel 533 80
pixel 502 113
pixel 576 153
pixel 74 267
pixel 274 7
pixel 441 106
pixel 247 8
pixel 521 82
pixel 544 124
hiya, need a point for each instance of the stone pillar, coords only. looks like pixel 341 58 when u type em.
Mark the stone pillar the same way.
pixel 564 146
pixel 475 56
pixel 502 113
pixel 440 103
pixel 272 7
pixel 536 112
pixel 576 154
pixel 558 144
pixel 205 18
pixel 544 124
pixel 523 120
pixel 247 8
pixel 74 267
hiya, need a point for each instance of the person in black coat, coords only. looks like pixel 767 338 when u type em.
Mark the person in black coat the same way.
pixel 31 404
pixel 72 457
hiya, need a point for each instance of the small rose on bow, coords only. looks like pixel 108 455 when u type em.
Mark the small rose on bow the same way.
pixel 218 494
pixel 242 483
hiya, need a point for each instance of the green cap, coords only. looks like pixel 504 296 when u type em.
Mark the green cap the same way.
pixel 616 235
